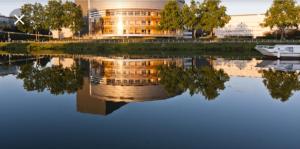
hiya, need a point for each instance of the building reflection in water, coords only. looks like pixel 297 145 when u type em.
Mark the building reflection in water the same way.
pixel 8 70
pixel 280 77
pixel 254 67
pixel 105 84
pixel 86 103
pixel 114 82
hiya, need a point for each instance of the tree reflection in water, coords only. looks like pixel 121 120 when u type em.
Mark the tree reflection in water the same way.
pixel 280 84
pixel 205 80
pixel 56 79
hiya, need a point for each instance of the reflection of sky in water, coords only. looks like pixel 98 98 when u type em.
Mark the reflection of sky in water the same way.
pixel 243 116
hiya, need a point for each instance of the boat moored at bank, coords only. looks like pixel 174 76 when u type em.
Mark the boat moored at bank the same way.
pixel 279 51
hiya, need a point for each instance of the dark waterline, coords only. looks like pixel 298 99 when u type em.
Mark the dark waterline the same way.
pixel 117 103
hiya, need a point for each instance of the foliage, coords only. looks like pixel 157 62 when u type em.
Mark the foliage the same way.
pixel 72 16
pixel 190 16
pixel 27 11
pixel 187 17
pixel 205 80
pixel 283 14
pixel 212 15
pixel 34 19
pixel 281 84
pixel 229 50
pixel 56 79
pixel 171 17
pixel 205 16
pixel 55 15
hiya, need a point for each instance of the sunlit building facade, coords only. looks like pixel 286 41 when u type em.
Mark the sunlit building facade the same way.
pixel 124 17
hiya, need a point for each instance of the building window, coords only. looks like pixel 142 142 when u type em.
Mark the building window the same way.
pixel 137 13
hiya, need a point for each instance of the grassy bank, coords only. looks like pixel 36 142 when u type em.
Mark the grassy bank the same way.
pixel 161 49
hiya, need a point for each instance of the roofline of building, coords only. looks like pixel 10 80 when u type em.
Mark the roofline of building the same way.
pixel 254 14
pixel 6 16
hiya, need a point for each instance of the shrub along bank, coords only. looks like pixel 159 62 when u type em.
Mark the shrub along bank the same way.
pixel 164 49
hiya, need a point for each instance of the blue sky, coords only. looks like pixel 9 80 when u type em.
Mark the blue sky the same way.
pixel 233 6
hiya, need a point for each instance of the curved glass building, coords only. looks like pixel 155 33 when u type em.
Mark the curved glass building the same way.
pixel 124 17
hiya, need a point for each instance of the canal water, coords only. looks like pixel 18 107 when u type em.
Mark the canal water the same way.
pixel 91 102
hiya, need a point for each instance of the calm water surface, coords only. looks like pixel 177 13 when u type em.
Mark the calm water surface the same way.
pixel 113 102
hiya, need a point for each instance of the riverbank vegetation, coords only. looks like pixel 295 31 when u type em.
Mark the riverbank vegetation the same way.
pixel 154 49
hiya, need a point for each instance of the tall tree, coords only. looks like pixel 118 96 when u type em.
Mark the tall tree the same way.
pixel 212 15
pixel 26 10
pixel 38 18
pixel 190 16
pixel 55 15
pixel 72 16
pixel 283 14
pixel 34 18
pixel 171 17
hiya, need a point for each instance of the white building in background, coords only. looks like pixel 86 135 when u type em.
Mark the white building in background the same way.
pixel 64 33
pixel 243 26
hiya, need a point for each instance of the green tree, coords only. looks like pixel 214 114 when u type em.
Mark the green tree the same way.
pixel 212 15
pixel 27 11
pixel 55 15
pixel 38 18
pixel 34 19
pixel 72 16
pixel 190 17
pixel 171 17
pixel 283 14
pixel 281 85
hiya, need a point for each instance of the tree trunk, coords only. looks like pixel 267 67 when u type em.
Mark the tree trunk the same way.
pixel 195 33
pixel 59 32
pixel 282 34
pixel 211 35
pixel 36 37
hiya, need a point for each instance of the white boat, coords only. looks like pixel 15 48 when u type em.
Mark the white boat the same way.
pixel 279 50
